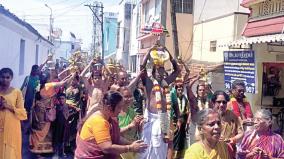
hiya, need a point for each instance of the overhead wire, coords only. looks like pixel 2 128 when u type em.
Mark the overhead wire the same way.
pixel 70 9
pixel 63 1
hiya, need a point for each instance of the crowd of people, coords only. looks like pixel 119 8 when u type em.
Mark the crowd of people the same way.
pixel 98 112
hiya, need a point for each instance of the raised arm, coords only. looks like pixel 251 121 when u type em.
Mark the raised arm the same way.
pixel 42 65
pixel 146 58
pixel 60 75
pixel 186 76
pixel 66 80
pixel 133 84
pixel 83 73
pixel 171 78
pixel 190 94
pixel 144 76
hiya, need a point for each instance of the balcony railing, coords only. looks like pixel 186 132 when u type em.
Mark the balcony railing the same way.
pixel 267 9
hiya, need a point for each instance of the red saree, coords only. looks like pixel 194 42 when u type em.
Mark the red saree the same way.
pixel 271 143
pixel 243 112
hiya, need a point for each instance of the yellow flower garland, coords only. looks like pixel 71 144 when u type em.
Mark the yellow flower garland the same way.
pixel 164 117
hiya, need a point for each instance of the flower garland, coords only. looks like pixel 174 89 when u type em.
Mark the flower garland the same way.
pixel 181 104
pixel 164 117
pixel 201 105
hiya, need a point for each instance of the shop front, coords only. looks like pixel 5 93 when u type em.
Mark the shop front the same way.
pixel 263 36
pixel 268 52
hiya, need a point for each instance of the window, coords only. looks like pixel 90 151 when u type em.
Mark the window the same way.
pixel 146 12
pixel 36 54
pixel 118 34
pixel 22 57
pixel 127 11
pixel 133 63
pixel 213 46
pixel 184 6
pixel 107 39
pixel 158 7
pixel 138 21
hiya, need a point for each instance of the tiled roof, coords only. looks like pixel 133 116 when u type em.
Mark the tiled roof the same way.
pixel 264 27
pixel 247 3
pixel 10 15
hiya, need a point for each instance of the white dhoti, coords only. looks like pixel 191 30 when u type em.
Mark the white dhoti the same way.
pixel 152 136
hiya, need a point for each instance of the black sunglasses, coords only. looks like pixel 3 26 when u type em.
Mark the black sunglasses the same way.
pixel 221 101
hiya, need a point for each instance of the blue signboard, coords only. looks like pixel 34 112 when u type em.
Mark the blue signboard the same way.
pixel 240 65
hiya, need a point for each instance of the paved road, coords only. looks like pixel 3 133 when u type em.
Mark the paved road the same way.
pixel 26 154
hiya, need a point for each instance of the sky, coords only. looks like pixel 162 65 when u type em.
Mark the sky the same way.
pixel 69 15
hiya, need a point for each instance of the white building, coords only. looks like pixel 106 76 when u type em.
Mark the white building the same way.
pixel 65 46
pixel 209 34
pixel 216 23
pixel 135 57
pixel 123 33
pixel 145 14
pixel 21 46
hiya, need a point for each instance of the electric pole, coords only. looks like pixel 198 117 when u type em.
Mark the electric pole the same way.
pixel 174 29
pixel 100 19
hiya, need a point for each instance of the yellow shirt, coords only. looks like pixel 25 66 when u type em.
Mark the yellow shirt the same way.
pixel 10 126
pixel 97 128
pixel 197 151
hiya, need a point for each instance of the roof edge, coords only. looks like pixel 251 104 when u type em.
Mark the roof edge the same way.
pixel 26 25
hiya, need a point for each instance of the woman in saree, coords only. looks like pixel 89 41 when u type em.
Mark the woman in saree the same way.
pixel 12 111
pixel 73 99
pixel 262 143
pixel 99 135
pixel 196 104
pixel 128 121
pixel 43 113
pixel 209 147
pixel 232 130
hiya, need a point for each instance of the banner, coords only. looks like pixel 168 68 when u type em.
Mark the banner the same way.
pixel 240 65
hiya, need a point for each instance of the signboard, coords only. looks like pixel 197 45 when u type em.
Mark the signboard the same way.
pixel 240 65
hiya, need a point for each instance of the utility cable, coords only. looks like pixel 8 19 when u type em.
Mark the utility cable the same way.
pixel 191 40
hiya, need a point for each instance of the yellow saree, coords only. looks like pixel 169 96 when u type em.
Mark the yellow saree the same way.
pixel 10 126
pixel 197 151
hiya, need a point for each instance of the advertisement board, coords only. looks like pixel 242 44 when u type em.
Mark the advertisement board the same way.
pixel 240 65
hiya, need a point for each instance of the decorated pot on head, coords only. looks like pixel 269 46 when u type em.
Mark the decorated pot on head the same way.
pixel 97 63
pixel 159 56
pixel 111 66
pixel 77 56
pixel 74 69
pixel 50 57
pixel 50 62
pixel 179 80
pixel 203 75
